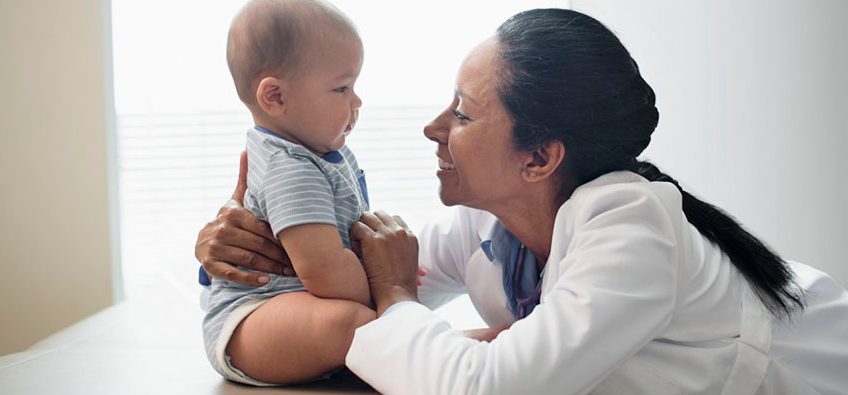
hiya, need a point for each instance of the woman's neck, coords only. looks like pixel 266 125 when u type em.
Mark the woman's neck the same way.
pixel 532 222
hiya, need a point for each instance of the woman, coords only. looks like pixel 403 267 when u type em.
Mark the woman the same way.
pixel 609 277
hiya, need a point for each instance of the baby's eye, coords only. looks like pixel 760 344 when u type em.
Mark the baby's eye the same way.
pixel 341 89
pixel 459 115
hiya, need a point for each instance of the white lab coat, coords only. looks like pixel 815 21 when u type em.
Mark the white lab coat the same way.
pixel 634 301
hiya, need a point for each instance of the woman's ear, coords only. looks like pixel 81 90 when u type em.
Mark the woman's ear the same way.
pixel 270 96
pixel 543 162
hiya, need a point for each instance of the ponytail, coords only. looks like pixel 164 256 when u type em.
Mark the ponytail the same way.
pixel 768 274
pixel 566 77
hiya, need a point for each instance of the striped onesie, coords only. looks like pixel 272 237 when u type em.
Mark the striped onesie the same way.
pixel 288 185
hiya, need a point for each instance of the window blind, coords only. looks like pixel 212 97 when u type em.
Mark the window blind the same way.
pixel 181 128
pixel 178 169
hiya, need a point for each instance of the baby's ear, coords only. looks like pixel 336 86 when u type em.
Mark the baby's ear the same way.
pixel 270 96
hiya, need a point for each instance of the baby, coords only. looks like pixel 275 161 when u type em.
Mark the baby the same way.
pixel 294 64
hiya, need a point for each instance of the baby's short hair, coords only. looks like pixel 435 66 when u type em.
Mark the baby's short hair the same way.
pixel 270 36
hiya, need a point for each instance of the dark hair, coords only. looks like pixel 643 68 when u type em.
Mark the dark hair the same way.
pixel 566 77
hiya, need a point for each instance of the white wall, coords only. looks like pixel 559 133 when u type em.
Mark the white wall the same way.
pixel 55 106
pixel 753 100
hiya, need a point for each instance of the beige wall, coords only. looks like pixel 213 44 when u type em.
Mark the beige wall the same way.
pixel 55 112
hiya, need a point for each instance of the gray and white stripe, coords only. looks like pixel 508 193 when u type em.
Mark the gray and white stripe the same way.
pixel 288 185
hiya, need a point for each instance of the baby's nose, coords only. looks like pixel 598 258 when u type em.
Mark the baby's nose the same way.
pixel 357 102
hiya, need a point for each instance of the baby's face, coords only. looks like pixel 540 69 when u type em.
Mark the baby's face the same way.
pixel 322 106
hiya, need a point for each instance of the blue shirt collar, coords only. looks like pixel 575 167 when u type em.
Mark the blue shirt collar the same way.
pixel 498 244
pixel 521 280
pixel 332 156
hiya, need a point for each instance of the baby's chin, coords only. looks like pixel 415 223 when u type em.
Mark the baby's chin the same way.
pixel 338 143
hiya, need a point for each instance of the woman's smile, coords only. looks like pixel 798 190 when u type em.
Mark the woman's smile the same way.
pixel 445 165
pixel 446 170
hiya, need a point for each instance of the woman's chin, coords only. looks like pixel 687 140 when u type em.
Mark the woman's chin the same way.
pixel 446 198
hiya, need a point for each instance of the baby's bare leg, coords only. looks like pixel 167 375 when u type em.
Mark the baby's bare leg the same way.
pixel 295 337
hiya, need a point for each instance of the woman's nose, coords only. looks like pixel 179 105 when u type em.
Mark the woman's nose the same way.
pixel 438 129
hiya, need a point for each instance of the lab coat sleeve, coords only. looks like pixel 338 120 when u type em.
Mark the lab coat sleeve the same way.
pixel 614 294
pixel 445 245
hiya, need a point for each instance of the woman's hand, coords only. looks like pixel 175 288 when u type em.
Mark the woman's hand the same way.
pixel 237 238
pixel 389 252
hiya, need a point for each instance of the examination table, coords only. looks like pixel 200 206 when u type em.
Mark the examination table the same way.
pixel 146 345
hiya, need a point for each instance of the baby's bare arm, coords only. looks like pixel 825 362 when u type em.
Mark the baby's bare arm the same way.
pixel 326 268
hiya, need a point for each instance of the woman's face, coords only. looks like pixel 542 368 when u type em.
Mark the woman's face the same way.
pixel 478 166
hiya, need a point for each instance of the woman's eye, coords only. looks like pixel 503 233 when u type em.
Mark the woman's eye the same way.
pixel 342 89
pixel 459 115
